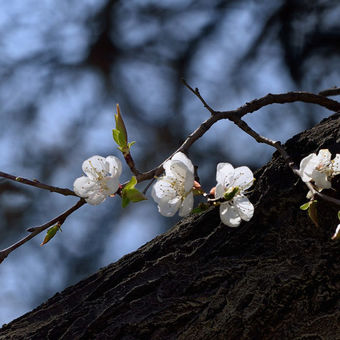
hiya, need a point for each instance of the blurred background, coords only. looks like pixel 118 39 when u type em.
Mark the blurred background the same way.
pixel 65 64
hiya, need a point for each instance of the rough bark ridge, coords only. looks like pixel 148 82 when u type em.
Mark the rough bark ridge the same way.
pixel 274 277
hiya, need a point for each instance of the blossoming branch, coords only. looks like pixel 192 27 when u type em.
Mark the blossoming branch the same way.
pixel 175 185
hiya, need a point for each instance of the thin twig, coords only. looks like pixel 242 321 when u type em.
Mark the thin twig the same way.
pixel 233 115
pixel 131 164
pixel 283 98
pixel 277 145
pixel 197 93
pixel 334 91
pixel 36 230
pixel 37 184
pixel 148 186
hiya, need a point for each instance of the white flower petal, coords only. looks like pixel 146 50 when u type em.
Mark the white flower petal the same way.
pixel 336 165
pixel 179 170
pixel 224 174
pixel 169 208
pixel 109 185
pixel 186 205
pixel 243 178
pixel 307 165
pixel 219 191
pixel 113 165
pixel 189 182
pixel 320 180
pixel 96 198
pixel 94 167
pixel 180 156
pixel 229 215
pixel 82 186
pixel 163 190
pixel 324 157
pixel 244 207
pixel 167 166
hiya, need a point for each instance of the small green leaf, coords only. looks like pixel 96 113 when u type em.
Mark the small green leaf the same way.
pixel 339 214
pixel 305 206
pixel 131 184
pixel 51 233
pixel 130 144
pixel 134 195
pixel 130 193
pixel 125 202
pixel 120 126
pixel 230 193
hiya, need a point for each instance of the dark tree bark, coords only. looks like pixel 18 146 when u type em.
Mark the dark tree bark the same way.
pixel 274 277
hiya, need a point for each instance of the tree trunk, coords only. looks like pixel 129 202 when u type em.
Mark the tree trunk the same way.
pixel 274 277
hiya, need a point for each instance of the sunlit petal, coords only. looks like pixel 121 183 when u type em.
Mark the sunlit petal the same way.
pixel 110 185
pixel 169 208
pixel 163 190
pixel 113 165
pixel 83 185
pixel 307 165
pixel 321 180
pixel 229 215
pixel 186 205
pixel 96 198
pixel 243 178
pixel 224 174
pixel 324 157
pixel 244 207
pixel 94 167
pixel 219 191
pixel 180 156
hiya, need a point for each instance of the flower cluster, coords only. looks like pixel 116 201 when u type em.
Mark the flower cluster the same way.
pixel 174 190
pixel 320 168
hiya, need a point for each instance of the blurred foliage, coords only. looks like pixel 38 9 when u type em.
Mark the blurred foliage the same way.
pixel 65 64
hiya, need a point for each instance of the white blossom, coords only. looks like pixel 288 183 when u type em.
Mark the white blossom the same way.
pixel 231 183
pixel 319 168
pixel 174 190
pixel 101 180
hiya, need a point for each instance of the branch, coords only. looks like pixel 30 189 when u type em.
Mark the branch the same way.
pixel 334 91
pixel 37 184
pixel 236 115
pixel 277 145
pixel 36 230
pixel 196 92
pixel 284 98
pixel 131 164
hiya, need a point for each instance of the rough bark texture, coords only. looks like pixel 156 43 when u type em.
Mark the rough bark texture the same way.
pixel 274 277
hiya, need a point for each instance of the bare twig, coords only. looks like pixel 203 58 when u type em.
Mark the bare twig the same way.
pixel 37 184
pixel 36 230
pixel 196 92
pixel 284 98
pixel 236 115
pixel 131 164
pixel 277 145
pixel 148 186
pixel 334 91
